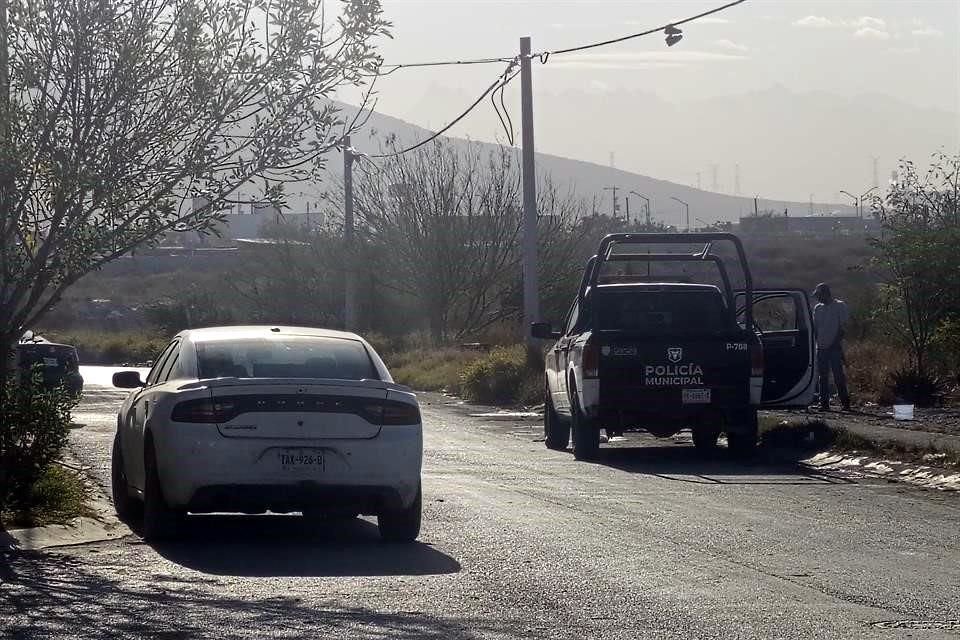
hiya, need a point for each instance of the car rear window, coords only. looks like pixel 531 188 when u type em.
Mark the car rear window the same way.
pixel 663 312
pixel 285 357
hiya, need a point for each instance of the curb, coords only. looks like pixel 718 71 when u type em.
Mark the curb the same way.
pixel 103 525
pixel 918 475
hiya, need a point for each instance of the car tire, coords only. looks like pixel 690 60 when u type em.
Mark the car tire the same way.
pixel 705 438
pixel 586 434
pixel 742 442
pixel 556 431
pixel 123 504
pixel 160 520
pixel 402 525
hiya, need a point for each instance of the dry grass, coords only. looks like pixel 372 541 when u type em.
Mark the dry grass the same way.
pixel 499 377
pixel 431 369
pixel 112 347
pixel 869 365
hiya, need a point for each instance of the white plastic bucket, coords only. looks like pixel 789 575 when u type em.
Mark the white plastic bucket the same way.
pixel 903 412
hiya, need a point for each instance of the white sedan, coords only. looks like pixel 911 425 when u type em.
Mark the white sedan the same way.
pixel 279 419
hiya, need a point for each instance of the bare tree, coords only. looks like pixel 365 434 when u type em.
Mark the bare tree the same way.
pixel 445 224
pixel 115 115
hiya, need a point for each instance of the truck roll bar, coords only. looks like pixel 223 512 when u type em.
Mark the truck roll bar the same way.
pixel 605 254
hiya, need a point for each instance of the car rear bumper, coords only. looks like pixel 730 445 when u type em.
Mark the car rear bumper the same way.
pixel 284 498
pixel 201 470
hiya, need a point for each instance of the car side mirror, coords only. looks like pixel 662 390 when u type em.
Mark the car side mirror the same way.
pixel 543 331
pixel 128 380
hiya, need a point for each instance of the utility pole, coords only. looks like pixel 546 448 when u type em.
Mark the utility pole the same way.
pixel 627 199
pixel 531 287
pixel 349 280
pixel 616 204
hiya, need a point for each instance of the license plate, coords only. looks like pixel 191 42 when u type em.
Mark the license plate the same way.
pixel 625 351
pixel 51 362
pixel 301 460
pixel 696 396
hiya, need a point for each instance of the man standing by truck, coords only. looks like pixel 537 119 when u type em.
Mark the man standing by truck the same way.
pixel 829 317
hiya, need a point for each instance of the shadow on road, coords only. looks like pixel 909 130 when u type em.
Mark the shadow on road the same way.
pixel 275 546
pixel 686 464
pixel 56 595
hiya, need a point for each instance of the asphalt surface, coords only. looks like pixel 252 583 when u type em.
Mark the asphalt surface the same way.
pixel 653 541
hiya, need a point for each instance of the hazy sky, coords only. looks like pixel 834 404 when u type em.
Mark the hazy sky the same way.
pixel 907 49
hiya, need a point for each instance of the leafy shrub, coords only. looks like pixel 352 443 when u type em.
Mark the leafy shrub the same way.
pixel 430 369
pixel 500 377
pixel 33 431
pixel 910 385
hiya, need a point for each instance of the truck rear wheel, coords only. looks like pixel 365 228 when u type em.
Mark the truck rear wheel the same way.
pixel 586 434
pixel 556 432
pixel 705 438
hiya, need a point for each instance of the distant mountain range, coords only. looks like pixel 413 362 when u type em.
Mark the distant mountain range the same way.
pixel 811 138
pixel 588 180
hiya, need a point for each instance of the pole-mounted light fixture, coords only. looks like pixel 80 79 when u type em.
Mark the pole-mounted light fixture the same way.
pixel 674 35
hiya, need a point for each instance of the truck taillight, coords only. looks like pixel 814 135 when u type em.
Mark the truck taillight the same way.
pixel 591 360
pixel 756 360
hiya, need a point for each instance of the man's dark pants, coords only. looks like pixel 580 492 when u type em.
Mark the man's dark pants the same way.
pixel 831 359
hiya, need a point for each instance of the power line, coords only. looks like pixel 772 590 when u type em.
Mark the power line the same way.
pixel 546 54
pixel 441 63
pixel 502 79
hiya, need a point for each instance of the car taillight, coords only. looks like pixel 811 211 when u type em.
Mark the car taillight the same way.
pixel 591 361
pixel 756 360
pixel 391 413
pixel 205 411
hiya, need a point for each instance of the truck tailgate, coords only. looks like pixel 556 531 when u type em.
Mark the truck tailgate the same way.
pixel 661 372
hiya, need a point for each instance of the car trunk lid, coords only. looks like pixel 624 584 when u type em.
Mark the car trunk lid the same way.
pixel 299 410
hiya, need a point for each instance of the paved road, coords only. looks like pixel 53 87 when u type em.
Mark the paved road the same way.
pixel 521 542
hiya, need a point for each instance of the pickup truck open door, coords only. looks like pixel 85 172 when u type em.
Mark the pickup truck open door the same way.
pixel 783 320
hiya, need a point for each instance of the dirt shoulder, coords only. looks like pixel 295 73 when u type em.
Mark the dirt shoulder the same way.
pixel 937 429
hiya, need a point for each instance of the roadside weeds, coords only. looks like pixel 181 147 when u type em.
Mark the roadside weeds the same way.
pixel 70 509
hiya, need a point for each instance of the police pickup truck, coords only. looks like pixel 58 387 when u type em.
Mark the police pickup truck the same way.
pixel 660 353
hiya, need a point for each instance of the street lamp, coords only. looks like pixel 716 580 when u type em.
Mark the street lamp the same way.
pixel 868 192
pixel 647 201
pixel 687 206
pixel 856 200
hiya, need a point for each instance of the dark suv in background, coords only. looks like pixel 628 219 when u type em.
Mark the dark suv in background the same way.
pixel 58 363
